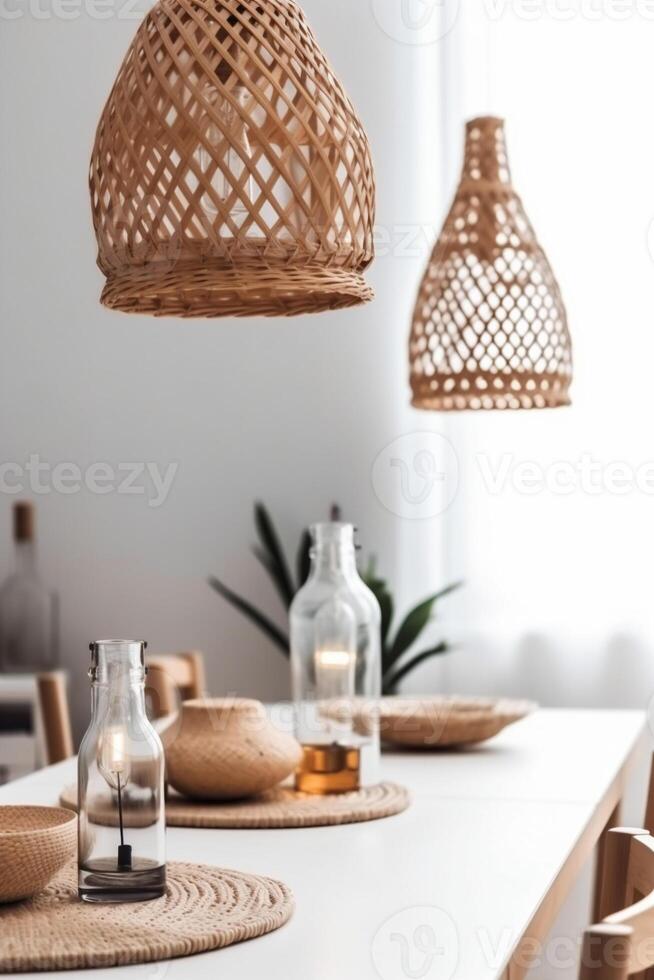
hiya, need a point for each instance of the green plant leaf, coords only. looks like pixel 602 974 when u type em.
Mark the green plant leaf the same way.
pixel 414 622
pixel 392 678
pixel 258 618
pixel 270 542
pixel 303 561
pixel 385 600
pixel 272 569
pixel 380 590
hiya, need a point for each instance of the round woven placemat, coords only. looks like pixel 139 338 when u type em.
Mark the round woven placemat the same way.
pixel 279 807
pixel 204 908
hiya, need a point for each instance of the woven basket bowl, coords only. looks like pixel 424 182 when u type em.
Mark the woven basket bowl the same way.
pixel 432 721
pixel 35 843
pixel 227 749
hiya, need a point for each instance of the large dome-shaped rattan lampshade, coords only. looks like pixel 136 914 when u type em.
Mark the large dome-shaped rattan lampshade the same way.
pixel 489 326
pixel 230 174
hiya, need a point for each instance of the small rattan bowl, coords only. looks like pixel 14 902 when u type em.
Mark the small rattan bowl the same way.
pixel 35 843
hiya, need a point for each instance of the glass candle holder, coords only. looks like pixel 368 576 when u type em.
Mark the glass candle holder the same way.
pixel 120 783
pixel 335 668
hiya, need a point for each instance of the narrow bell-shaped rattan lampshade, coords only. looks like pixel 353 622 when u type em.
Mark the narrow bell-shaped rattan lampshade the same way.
pixel 489 326
pixel 230 174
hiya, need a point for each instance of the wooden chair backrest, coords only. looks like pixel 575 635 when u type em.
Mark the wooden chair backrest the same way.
pixel 622 944
pixel 649 805
pixel 172 678
pixel 55 716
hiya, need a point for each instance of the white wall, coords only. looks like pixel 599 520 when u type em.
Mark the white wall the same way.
pixel 293 412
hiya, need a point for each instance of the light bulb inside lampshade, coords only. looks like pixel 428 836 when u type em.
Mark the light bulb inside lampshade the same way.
pixel 114 762
pixel 224 154
pixel 335 650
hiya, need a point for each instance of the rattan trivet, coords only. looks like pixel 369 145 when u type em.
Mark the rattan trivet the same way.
pixel 204 908
pixel 279 807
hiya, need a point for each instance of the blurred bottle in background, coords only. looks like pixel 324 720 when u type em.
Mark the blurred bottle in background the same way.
pixel 28 611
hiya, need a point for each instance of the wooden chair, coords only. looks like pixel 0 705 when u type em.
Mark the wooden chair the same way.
pixel 36 729
pixel 622 944
pixel 614 821
pixel 172 678
pixel 649 805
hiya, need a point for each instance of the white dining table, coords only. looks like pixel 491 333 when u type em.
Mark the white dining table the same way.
pixel 463 885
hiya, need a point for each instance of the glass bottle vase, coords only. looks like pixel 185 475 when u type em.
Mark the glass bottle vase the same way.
pixel 120 783
pixel 335 667
pixel 28 610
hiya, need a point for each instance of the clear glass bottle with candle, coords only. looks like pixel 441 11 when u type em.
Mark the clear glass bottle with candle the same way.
pixel 335 667
pixel 120 783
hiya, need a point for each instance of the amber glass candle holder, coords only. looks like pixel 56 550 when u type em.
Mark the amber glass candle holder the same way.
pixel 336 669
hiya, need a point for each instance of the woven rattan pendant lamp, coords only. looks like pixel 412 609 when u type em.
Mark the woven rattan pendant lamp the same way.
pixel 489 327
pixel 230 174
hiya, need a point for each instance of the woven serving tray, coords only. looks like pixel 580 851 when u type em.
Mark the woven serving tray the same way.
pixel 438 721
pixel 204 908
pixel 279 807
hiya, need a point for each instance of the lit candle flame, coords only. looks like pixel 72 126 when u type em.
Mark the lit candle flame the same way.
pixel 333 659
pixel 334 673
pixel 114 760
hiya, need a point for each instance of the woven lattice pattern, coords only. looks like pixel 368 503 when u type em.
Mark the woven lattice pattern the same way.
pixel 230 174
pixel 489 327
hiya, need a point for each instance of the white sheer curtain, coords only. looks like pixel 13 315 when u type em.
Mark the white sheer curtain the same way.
pixel 552 525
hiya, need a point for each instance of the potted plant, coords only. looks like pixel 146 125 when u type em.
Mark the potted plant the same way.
pixel 398 659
